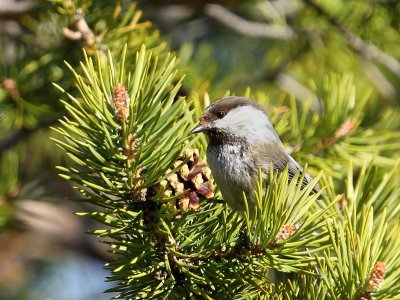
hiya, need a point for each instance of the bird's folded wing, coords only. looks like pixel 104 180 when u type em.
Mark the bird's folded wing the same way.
pixel 294 167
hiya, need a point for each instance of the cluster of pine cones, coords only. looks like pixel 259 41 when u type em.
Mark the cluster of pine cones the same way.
pixel 191 182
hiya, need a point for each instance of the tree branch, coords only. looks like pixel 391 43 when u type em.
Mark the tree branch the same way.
pixel 380 82
pixel 302 93
pixel 367 50
pixel 248 28
pixel 12 7
pixel 14 138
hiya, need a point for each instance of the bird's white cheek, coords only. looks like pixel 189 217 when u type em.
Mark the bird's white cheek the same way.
pixel 249 123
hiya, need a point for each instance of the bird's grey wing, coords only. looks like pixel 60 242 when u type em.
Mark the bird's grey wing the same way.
pixel 294 167
pixel 264 155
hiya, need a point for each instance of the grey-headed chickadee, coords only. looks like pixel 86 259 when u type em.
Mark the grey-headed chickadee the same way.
pixel 242 140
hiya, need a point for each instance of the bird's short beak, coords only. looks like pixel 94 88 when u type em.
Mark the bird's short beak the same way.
pixel 198 128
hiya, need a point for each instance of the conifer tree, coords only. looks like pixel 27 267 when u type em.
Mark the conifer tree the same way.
pixel 126 133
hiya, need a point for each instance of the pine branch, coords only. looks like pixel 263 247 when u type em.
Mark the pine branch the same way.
pixel 248 28
pixel 364 258
pixel 366 50
pixel 127 134
pixel 336 134
pixel 161 253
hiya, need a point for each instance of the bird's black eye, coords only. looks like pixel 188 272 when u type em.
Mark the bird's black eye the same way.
pixel 220 114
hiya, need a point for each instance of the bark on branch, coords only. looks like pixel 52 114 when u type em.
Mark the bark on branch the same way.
pixel 248 28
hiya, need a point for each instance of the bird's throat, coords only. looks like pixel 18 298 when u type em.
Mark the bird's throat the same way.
pixel 217 137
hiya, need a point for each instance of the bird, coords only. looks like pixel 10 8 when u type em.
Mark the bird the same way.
pixel 242 140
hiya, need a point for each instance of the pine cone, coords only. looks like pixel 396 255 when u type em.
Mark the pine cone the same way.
pixel 121 101
pixel 191 181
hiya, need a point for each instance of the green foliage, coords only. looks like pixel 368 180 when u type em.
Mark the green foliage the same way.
pixel 118 159
pixel 28 101
pixel 124 124
pixel 123 158
pixel 212 252
pixel 356 248
pixel 328 140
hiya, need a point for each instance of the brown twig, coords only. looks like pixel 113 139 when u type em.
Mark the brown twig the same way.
pixel 80 30
pixel 366 49
pixel 13 7
pixel 248 28
pixel 383 86
pixel 301 92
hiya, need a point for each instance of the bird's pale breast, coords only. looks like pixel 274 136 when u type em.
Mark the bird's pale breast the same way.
pixel 232 172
